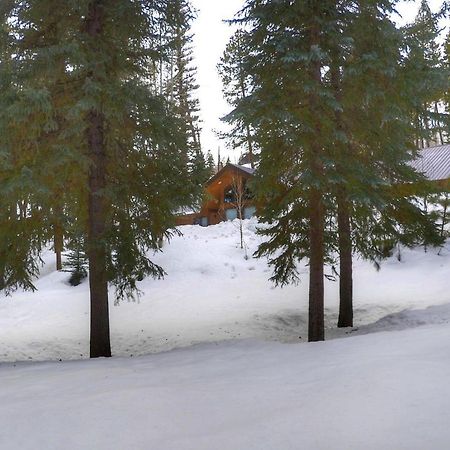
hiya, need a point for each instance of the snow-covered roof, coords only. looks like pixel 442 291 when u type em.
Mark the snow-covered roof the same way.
pixel 245 168
pixel 434 162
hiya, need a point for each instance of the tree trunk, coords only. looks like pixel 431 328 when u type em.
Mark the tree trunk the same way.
pixel 316 325
pixel 345 261
pixel 439 125
pixel 343 214
pixel 58 245
pixel 97 214
pixel 444 215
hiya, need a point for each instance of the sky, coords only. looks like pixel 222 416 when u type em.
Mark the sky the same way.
pixel 211 35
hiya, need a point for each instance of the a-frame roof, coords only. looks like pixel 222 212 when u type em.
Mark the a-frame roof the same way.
pixel 243 169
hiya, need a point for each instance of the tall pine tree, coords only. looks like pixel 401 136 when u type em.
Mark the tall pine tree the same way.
pixel 120 137
pixel 331 105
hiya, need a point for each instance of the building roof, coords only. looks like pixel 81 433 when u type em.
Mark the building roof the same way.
pixel 249 170
pixel 434 162
pixel 244 169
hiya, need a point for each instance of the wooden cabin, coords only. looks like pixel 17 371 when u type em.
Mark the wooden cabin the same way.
pixel 226 193
pixel 220 202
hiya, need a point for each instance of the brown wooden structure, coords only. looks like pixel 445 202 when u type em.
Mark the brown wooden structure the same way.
pixel 222 198
pixel 220 204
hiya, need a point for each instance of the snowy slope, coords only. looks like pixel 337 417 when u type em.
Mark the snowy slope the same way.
pixel 383 387
pixel 212 293
pixel 385 391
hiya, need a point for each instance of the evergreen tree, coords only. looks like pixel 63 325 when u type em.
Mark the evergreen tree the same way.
pixel 291 111
pixel 120 138
pixel 77 260
pixel 330 103
pixel 210 164
pixel 371 66
pixel 425 56
pixel 236 89
pixel 182 87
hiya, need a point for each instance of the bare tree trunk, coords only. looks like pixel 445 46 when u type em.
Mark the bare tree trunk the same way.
pixel 444 215
pixel 316 325
pixel 345 262
pixel 427 127
pixel 441 136
pixel 238 187
pixel 247 129
pixel 97 213
pixel 343 217
pixel 58 245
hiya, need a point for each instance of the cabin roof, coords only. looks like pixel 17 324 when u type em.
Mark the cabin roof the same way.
pixel 243 169
pixel 434 162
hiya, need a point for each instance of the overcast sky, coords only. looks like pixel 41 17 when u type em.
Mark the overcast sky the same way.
pixel 211 37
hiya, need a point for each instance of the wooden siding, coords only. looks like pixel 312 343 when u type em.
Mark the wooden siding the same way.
pixel 214 207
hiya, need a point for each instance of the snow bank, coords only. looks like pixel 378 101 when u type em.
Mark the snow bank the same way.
pixel 385 391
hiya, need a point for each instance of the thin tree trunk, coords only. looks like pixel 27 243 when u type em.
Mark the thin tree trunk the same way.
pixel 439 125
pixel 58 245
pixel 97 210
pixel 444 215
pixel 345 262
pixel 427 127
pixel 247 129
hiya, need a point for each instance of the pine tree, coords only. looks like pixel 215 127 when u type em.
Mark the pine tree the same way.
pixel 77 260
pixel 369 66
pixel 291 111
pixel 182 87
pixel 425 56
pixel 118 136
pixel 330 103
pixel 210 164
pixel 236 89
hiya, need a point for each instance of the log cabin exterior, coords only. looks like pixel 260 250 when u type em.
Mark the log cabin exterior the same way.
pixel 220 202
pixel 219 205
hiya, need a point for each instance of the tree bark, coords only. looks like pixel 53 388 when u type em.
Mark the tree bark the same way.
pixel 97 213
pixel 343 212
pixel 316 325
pixel 345 261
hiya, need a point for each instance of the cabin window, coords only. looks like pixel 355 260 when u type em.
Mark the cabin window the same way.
pixel 231 214
pixel 230 194
pixel 249 211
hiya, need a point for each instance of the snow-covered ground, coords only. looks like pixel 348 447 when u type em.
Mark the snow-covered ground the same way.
pixel 212 293
pixel 385 391
pixel 247 384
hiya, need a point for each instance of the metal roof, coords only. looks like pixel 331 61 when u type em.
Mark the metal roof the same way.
pixel 434 162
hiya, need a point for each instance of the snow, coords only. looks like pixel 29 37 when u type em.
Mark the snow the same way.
pixel 213 358
pixel 366 392
pixel 212 293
